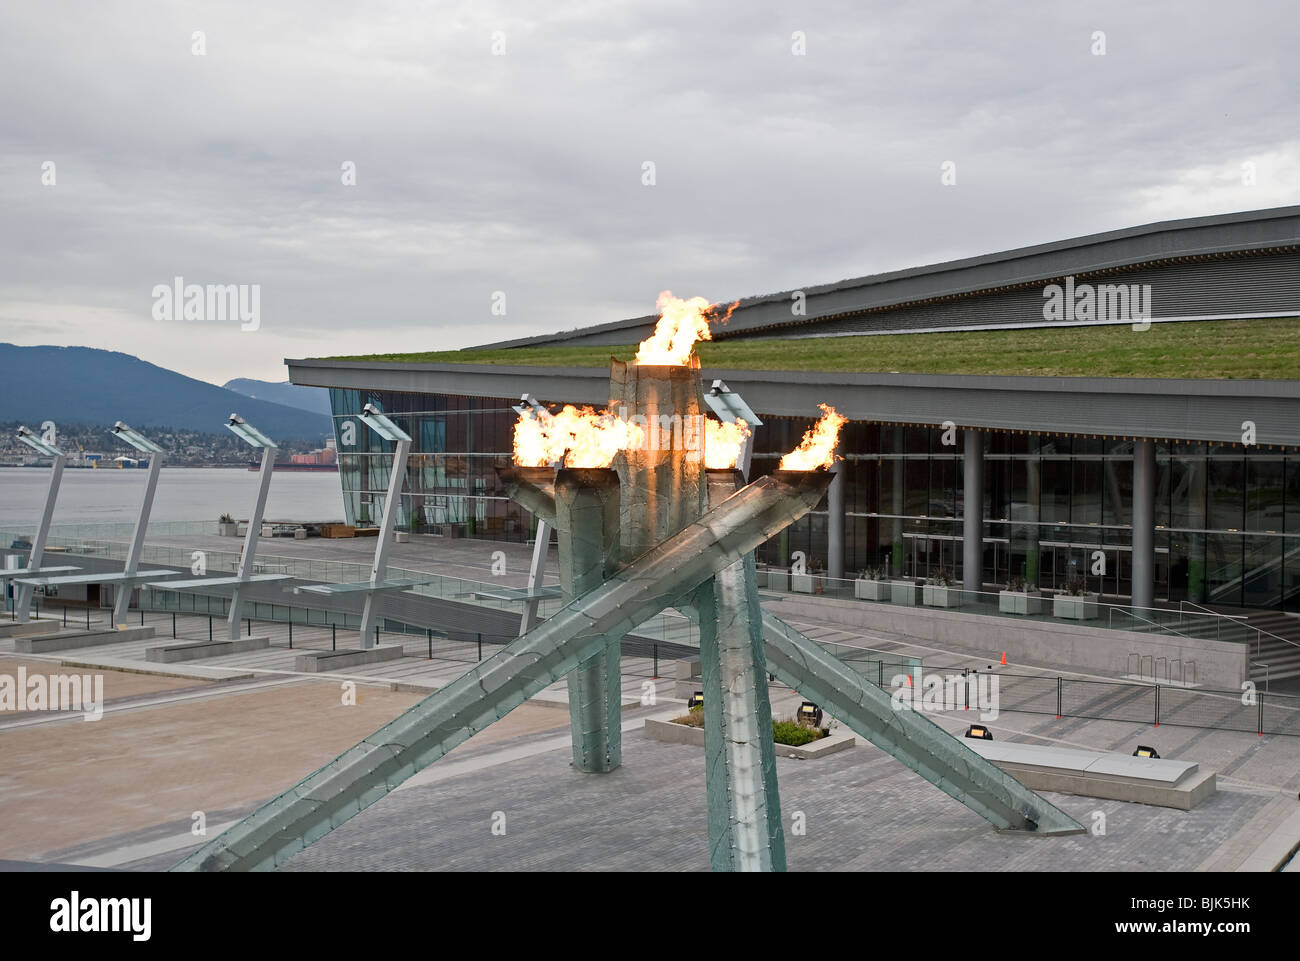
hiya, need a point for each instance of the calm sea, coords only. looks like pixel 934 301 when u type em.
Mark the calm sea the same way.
pixel 112 496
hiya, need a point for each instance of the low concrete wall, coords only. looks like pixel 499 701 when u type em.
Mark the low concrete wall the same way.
pixel 15 629
pixel 314 662
pixel 201 649
pixel 71 640
pixel 1221 665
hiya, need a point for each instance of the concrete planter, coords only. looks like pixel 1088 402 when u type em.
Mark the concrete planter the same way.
pixel 681 734
pixel 778 581
pixel 228 530
pixel 937 595
pixel 1075 608
pixel 801 583
pixel 868 590
pixel 1020 602
pixel 904 592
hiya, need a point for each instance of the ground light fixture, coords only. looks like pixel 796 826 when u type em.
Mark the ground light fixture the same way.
pixel 247 432
pixel 1144 751
pixel 810 713
pixel 696 700
pixel 380 423
pixel 978 732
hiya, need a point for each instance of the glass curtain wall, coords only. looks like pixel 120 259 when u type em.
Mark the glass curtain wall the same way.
pixel 1227 517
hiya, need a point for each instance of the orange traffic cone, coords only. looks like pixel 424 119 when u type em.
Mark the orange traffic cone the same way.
pixel 1004 658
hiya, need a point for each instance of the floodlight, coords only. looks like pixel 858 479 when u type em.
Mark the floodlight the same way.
pixel 1144 751
pixel 377 421
pixel 35 443
pixel 728 405
pixel 810 713
pixel 135 438
pixel 248 432
pixel 979 733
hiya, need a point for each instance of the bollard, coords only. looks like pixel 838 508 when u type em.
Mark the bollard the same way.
pixel 88 618
pixel 376 635
pixel 142 617
pixel 249 621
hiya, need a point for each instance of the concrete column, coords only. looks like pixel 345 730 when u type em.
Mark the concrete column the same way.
pixel 897 561
pixel 972 521
pixel 835 524
pixel 587 525
pixel 1144 533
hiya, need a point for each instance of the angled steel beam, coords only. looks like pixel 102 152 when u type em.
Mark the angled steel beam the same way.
pixel 123 600
pixel 248 559
pixel 379 569
pixel 370 769
pixel 23 602
pixel 908 735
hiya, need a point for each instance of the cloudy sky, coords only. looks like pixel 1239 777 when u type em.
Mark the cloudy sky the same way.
pixel 502 147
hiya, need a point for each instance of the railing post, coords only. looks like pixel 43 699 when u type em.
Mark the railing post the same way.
pixel 1157 705
pixel 429 632
pixel 173 625
pixel 291 628
pixel 1261 715
pixel 1059 702
pixel 334 637
pixel 655 675
pixel 209 627
pixel 376 635
pixel 480 645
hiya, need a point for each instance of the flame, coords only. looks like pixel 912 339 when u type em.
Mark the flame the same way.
pixel 722 443
pixel 681 324
pixel 817 449
pixel 575 437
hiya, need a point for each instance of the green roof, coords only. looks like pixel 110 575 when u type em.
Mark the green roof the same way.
pixel 1215 350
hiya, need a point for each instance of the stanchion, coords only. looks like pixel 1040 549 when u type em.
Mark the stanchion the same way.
pixel 334 637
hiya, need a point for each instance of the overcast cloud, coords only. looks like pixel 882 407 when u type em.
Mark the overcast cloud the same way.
pixel 522 172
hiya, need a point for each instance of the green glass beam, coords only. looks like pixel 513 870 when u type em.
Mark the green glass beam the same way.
pixel 366 772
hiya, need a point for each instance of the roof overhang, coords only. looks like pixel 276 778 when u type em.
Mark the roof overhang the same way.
pixel 1164 409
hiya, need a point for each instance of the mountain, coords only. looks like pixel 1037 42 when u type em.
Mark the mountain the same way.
pixel 314 399
pixel 84 385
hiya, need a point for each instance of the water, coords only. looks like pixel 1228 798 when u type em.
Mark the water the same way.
pixel 112 496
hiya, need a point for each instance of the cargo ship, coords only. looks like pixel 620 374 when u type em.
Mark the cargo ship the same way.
pixel 297 468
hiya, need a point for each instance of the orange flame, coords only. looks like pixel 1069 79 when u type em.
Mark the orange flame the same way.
pixel 681 324
pixel 574 437
pixel 722 443
pixel 817 449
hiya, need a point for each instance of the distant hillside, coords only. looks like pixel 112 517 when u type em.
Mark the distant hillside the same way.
pixel 87 386
pixel 314 399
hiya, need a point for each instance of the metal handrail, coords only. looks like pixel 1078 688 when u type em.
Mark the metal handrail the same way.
pixel 1259 631
pixel 1265 667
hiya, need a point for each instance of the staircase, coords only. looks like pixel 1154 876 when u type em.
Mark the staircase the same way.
pixel 1279 646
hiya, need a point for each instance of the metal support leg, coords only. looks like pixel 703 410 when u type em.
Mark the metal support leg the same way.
pixel 25 591
pixel 248 559
pixel 123 600
pixel 370 613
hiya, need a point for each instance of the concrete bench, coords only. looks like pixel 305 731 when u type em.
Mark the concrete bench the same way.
pixel 315 662
pixel 71 640
pixel 1100 774
pixel 195 651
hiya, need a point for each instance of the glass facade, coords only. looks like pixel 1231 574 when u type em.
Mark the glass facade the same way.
pixel 1227 518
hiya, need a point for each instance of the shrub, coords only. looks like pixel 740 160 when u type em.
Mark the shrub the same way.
pixel 794 734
